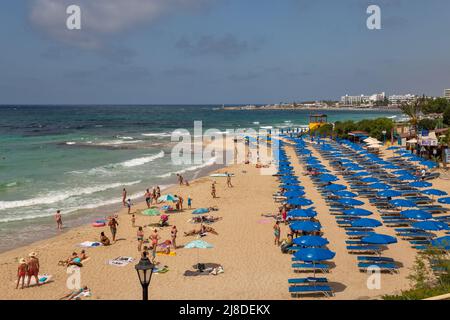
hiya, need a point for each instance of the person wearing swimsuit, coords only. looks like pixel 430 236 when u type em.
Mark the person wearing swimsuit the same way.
pixel 173 234
pixel 113 227
pixel 140 238
pixel 21 272
pixel 277 233
pixel 58 219
pixel 33 268
pixel 148 198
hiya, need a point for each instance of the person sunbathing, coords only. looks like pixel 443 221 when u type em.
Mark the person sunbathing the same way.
pixel 203 229
pixel 77 294
pixel 165 247
pixel 73 260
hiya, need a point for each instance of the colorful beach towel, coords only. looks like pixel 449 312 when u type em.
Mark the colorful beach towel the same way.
pixel 171 254
pixel 120 261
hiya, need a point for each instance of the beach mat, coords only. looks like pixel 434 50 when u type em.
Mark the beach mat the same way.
pixel 162 270
pixel 120 261
pixel 43 279
pixel 171 254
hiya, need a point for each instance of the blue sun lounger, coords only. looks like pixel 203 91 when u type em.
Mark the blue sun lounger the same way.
pixel 374 259
pixel 297 290
pixel 325 268
pixel 309 280
pixel 361 249
pixel 389 267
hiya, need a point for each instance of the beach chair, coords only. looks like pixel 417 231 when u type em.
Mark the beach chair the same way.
pixel 374 259
pixel 367 249
pixel 309 280
pixel 384 266
pixel 324 289
pixel 302 267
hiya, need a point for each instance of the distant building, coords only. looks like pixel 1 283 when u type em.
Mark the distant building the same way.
pixel 447 94
pixel 397 99
pixel 362 99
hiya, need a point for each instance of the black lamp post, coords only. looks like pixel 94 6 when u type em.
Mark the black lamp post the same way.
pixel 144 270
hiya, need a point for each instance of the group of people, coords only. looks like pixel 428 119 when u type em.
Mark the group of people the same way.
pixel 151 197
pixel 28 268
pixel 153 241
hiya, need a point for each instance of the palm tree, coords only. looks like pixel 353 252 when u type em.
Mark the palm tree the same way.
pixel 413 109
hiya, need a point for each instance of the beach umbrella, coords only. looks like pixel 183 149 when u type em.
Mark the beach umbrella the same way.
pixel 291 187
pixel 389 194
pixel 442 242
pixel 402 203
pixel 361 174
pixel 420 184
pixel 198 244
pixel 335 187
pixel 357 212
pixel 434 192
pixel 302 213
pixel 390 166
pixel 200 211
pixel 378 239
pixel 310 241
pixel 444 200
pixel 369 180
pixel 299 202
pixel 345 194
pixel 430 225
pixel 416 214
pixel 151 212
pixel 379 186
pixel 366 223
pixel 314 254
pixel 350 202
pixel 327 178
pixel 167 198
pixel 294 193
pixel 307 226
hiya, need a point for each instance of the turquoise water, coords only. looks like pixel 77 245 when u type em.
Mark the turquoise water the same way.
pixel 78 158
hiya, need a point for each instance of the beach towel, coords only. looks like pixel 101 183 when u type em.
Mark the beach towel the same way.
pixel 151 212
pixel 162 270
pixel 83 294
pixel 43 278
pixel 90 244
pixel 120 261
pixel 171 254
pixel 190 273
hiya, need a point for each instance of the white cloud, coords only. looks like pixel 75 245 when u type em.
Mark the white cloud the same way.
pixel 102 17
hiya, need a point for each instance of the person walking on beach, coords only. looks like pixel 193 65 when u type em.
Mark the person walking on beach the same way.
pixel 189 202
pixel 113 227
pixel 124 197
pixel 33 268
pixel 158 193
pixel 133 221
pixel 140 238
pixel 229 184
pixel 148 198
pixel 154 196
pixel 173 234
pixel 129 205
pixel 180 179
pixel 213 190
pixel 58 219
pixel 181 200
pixel 21 272
pixel 277 233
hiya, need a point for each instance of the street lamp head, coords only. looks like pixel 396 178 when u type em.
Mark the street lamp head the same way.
pixel 144 270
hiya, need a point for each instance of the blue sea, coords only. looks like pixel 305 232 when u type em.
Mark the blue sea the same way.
pixel 78 158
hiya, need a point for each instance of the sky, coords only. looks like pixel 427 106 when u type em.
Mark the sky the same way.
pixel 220 51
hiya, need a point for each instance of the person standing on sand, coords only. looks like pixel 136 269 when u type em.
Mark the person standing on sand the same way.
pixel 277 233
pixel 181 200
pixel 189 200
pixel 229 184
pixel 33 268
pixel 158 193
pixel 213 190
pixel 180 179
pixel 133 221
pixel 154 196
pixel 129 205
pixel 148 198
pixel 140 238
pixel 58 219
pixel 21 272
pixel 173 234
pixel 124 197
pixel 113 227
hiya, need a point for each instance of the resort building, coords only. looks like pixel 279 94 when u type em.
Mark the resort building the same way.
pixel 362 99
pixel 397 99
pixel 447 94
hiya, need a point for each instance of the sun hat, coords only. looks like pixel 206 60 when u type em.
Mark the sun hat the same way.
pixel 33 255
pixel 22 261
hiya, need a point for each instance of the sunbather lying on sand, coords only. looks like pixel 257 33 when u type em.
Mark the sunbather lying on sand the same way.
pixel 74 259
pixel 78 294
pixel 202 230
pixel 205 219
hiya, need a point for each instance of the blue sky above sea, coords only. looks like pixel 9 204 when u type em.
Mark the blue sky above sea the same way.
pixel 219 51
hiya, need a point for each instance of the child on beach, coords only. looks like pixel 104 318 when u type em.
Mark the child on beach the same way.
pixel 21 272
pixel 189 202
pixel 277 233
pixel 133 221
